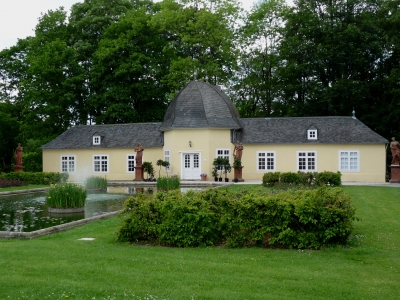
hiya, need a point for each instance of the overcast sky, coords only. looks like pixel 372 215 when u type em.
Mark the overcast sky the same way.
pixel 18 18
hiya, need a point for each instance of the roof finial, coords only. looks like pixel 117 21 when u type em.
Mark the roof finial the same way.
pixel 354 114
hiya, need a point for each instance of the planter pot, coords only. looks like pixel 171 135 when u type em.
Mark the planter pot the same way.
pixel 235 180
pixel 203 178
pixel 66 210
pixel 215 178
pixel 219 179
pixel 226 179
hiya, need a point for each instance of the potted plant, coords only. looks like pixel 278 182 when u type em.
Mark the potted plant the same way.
pixel 148 168
pixel 162 163
pixel 203 176
pixel 218 165
pixel 226 167
pixel 214 173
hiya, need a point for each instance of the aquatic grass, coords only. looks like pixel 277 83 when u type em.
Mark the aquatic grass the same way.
pixel 168 183
pixel 96 182
pixel 66 195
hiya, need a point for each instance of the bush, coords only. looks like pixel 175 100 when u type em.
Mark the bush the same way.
pixel 290 177
pixel 11 183
pixel 271 178
pixel 329 178
pixel 168 183
pixel 291 219
pixel 36 178
pixel 66 195
pixel 304 178
pixel 96 182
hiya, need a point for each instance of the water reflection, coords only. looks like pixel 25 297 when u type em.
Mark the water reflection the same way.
pixel 29 212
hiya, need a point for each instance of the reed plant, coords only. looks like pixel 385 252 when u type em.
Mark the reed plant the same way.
pixel 66 195
pixel 168 183
pixel 96 182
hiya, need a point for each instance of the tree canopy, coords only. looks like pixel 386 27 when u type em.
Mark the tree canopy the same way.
pixel 123 61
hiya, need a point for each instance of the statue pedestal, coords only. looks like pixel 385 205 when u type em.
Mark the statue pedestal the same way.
pixel 138 173
pixel 395 172
pixel 237 174
pixel 18 168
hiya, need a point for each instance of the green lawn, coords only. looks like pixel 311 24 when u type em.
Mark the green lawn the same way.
pixel 25 187
pixel 62 267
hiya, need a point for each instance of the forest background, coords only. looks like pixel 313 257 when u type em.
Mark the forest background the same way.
pixel 120 61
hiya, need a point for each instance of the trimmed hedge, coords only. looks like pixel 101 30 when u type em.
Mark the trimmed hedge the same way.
pixel 36 177
pixel 304 178
pixel 290 219
pixel 11 183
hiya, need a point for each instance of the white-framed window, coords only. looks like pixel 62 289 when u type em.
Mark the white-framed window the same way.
pixel 312 134
pixel 349 161
pixel 96 140
pixel 68 163
pixel 100 163
pixel 224 153
pixel 307 161
pixel 167 158
pixel 130 163
pixel 266 161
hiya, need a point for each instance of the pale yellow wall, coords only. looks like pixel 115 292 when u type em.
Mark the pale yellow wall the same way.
pixel 117 162
pixel 372 160
pixel 204 141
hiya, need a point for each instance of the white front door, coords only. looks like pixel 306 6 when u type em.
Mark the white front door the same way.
pixel 191 165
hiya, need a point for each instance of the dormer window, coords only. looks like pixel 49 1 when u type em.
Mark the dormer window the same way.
pixel 96 140
pixel 312 134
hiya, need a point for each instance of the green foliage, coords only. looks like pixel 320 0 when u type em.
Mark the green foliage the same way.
pixel 304 178
pixel 37 178
pixel 66 195
pixel 290 177
pixel 271 178
pixel 168 183
pixel 96 182
pixel 329 178
pixel 292 219
pixel 9 129
pixel 149 169
pixel 162 163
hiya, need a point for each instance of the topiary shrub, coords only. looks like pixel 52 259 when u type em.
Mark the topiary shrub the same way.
pixel 291 219
pixel 271 178
pixel 329 178
pixel 36 177
pixel 290 177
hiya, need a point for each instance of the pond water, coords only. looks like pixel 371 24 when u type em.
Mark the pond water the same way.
pixel 29 212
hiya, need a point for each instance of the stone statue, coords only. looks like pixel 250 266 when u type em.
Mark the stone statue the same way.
pixel 238 150
pixel 18 155
pixel 395 148
pixel 139 154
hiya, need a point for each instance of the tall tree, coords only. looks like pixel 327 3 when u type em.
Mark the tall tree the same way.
pixel 332 51
pixel 257 88
pixel 127 70
pixel 201 37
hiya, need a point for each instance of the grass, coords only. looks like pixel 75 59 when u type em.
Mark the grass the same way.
pixel 168 183
pixel 60 266
pixel 96 182
pixel 25 187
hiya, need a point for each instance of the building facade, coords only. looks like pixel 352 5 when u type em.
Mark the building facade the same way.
pixel 202 123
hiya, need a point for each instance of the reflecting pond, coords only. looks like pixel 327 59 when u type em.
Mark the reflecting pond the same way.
pixel 29 212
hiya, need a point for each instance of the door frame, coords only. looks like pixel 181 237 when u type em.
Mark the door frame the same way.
pixel 182 161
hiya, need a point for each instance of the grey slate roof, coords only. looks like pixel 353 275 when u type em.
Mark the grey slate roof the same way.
pixel 112 136
pixel 201 105
pixel 330 130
